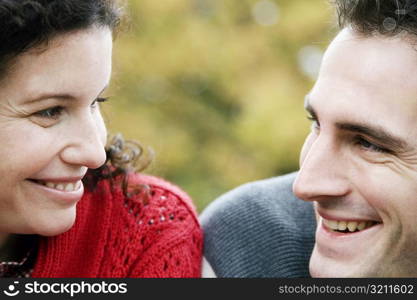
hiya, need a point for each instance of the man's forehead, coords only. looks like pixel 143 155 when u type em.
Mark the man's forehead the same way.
pixel 368 78
pixel 373 60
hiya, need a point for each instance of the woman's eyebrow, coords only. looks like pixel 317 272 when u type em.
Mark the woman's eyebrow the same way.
pixel 64 96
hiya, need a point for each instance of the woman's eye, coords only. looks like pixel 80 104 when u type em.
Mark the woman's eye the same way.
pixel 55 112
pixel 98 100
pixel 369 146
pixel 50 113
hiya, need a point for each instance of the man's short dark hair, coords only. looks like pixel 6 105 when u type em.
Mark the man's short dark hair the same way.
pixel 387 17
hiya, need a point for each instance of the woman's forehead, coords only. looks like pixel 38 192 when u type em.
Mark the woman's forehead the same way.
pixel 77 63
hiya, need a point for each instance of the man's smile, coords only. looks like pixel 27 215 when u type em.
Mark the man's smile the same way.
pixel 345 226
pixel 346 237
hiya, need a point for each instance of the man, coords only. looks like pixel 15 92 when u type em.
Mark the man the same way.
pixel 358 166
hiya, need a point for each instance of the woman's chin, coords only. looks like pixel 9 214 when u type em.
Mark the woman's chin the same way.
pixel 54 225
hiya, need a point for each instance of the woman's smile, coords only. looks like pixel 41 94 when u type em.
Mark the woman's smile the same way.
pixel 63 192
pixel 61 184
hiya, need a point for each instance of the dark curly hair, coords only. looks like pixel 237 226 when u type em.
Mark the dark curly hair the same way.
pixel 25 24
pixel 122 157
pixel 386 17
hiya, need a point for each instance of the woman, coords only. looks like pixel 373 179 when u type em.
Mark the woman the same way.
pixel 71 207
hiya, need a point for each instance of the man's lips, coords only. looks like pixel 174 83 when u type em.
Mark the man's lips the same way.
pixel 343 245
pixel 344 224
pixel 364 232
pixel 347 226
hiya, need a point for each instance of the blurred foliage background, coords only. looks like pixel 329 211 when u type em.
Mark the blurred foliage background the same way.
pixel 216 87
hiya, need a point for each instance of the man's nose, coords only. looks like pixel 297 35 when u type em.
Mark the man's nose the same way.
pixel 86 146
pixel 322 173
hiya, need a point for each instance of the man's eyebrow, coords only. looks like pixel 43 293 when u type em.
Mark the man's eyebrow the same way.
pixel 377 133
pixel 308 107
pixel 64 97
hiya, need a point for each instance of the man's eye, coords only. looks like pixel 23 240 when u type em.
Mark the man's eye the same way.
pixel 50 113
pixel 314 122
pixel 369 146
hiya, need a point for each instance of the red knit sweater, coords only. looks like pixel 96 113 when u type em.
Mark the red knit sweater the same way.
pixel 118 237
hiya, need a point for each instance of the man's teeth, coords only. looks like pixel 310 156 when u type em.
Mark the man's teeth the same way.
pixel 67 187
pixel 351 226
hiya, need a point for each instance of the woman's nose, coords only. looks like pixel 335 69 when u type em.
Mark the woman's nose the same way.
pixel 86 143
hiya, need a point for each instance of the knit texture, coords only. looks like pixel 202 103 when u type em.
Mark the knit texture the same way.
pixel 153 234
pixel 259 230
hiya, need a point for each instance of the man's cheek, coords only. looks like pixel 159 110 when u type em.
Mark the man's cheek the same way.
pixel 306 147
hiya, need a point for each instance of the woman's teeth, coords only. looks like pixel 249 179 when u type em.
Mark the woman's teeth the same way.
pixel 64 186
pixel 350 226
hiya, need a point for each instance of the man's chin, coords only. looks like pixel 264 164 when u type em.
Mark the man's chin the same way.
pixel 323 267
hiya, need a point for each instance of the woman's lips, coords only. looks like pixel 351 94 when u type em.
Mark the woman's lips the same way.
pixel 67 186
pixel 63 192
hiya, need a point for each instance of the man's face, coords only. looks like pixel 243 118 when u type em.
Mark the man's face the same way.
pixel 359 163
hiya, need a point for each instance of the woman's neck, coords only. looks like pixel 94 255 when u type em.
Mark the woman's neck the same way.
pixel 7 246
pixel 3 238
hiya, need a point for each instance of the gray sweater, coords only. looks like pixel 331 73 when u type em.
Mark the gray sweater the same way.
pixel 259 229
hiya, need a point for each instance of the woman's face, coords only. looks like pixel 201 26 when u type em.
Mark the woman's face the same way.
pixel 51 130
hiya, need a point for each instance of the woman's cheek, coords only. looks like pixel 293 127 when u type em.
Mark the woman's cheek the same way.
pixel 101 126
